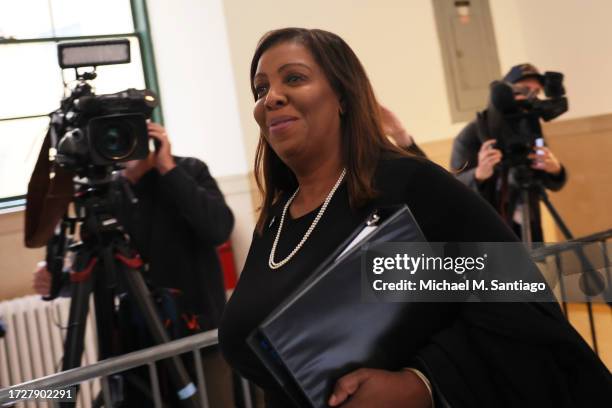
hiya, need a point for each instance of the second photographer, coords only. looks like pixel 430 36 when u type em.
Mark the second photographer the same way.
pixel 502 151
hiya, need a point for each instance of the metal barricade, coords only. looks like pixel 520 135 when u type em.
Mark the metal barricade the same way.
pixel 146 357
pixel 577 246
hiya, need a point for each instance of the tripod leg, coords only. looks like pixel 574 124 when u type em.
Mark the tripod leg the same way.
pixel 553 211
pixel 79 307
pixel 187 392
pixel 104 298
pixel 73 345
pixel 106 328
pixel 526 218
pixel 592 326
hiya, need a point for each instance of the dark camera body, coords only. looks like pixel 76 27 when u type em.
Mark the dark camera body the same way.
pixel 516 123
pixel 515 136
pixel 102 130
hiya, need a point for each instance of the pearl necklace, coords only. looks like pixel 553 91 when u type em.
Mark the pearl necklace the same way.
pixel 276 265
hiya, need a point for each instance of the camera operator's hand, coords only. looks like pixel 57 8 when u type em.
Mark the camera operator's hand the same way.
pixel 42 280
pixel 162 159
pixel 393 127
pixel 164 162
pixel 488 157
pixel 135 169
pixel 545 160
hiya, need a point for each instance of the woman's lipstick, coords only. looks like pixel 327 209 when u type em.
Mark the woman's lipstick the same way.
pixel 280 124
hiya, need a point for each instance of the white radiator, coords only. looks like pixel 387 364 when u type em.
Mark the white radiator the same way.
pixel 33 344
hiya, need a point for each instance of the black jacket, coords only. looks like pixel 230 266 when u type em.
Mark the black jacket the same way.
pixel 464 160
pixel 176 225
pixel 506 355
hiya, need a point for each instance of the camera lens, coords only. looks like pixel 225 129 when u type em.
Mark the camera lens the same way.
pixel 115 141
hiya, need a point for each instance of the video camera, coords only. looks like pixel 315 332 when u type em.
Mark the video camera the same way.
pixel 515 122
pixel 89 137
pixel 90 133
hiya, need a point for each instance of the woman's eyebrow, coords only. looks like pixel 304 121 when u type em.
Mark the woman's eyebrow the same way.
pixel 290 64
pixel 282 68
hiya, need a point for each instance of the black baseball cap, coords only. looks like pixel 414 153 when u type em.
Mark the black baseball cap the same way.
pixel 522 71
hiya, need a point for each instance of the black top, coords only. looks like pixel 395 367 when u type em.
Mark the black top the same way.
pixel 446 211
pixel 178 221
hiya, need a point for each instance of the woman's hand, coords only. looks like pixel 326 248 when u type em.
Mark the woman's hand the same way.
pixel 393 127
pixel 382 389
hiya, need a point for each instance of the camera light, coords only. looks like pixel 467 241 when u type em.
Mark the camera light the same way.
pixel 93 53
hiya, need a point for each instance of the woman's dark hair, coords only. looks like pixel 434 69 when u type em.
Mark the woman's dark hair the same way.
pixel 363 140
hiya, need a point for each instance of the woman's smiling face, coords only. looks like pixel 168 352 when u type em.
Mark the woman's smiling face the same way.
pixel 297 110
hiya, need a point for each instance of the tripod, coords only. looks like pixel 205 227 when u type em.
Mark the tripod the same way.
pixel 522 178
pixel 104 262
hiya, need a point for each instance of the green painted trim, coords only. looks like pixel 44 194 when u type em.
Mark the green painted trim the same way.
pixel 142 28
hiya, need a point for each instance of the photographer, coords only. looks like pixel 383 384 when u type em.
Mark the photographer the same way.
pixel 179 218
pixel 477 158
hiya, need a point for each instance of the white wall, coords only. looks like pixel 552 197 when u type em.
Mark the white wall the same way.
pixel 196 83
pixel 508 33
pixel 574 37
pixel 199 99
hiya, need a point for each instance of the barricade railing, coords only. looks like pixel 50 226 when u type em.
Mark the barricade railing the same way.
pixel 145 357
pixel 578 246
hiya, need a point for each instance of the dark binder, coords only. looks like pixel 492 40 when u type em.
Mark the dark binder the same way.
pixel 324 330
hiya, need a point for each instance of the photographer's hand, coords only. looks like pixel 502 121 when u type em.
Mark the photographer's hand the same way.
pixel 545 160
pixel 42 280
pixel 135 169
pixel 164 162
pixel 488 157
pixel 393 127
